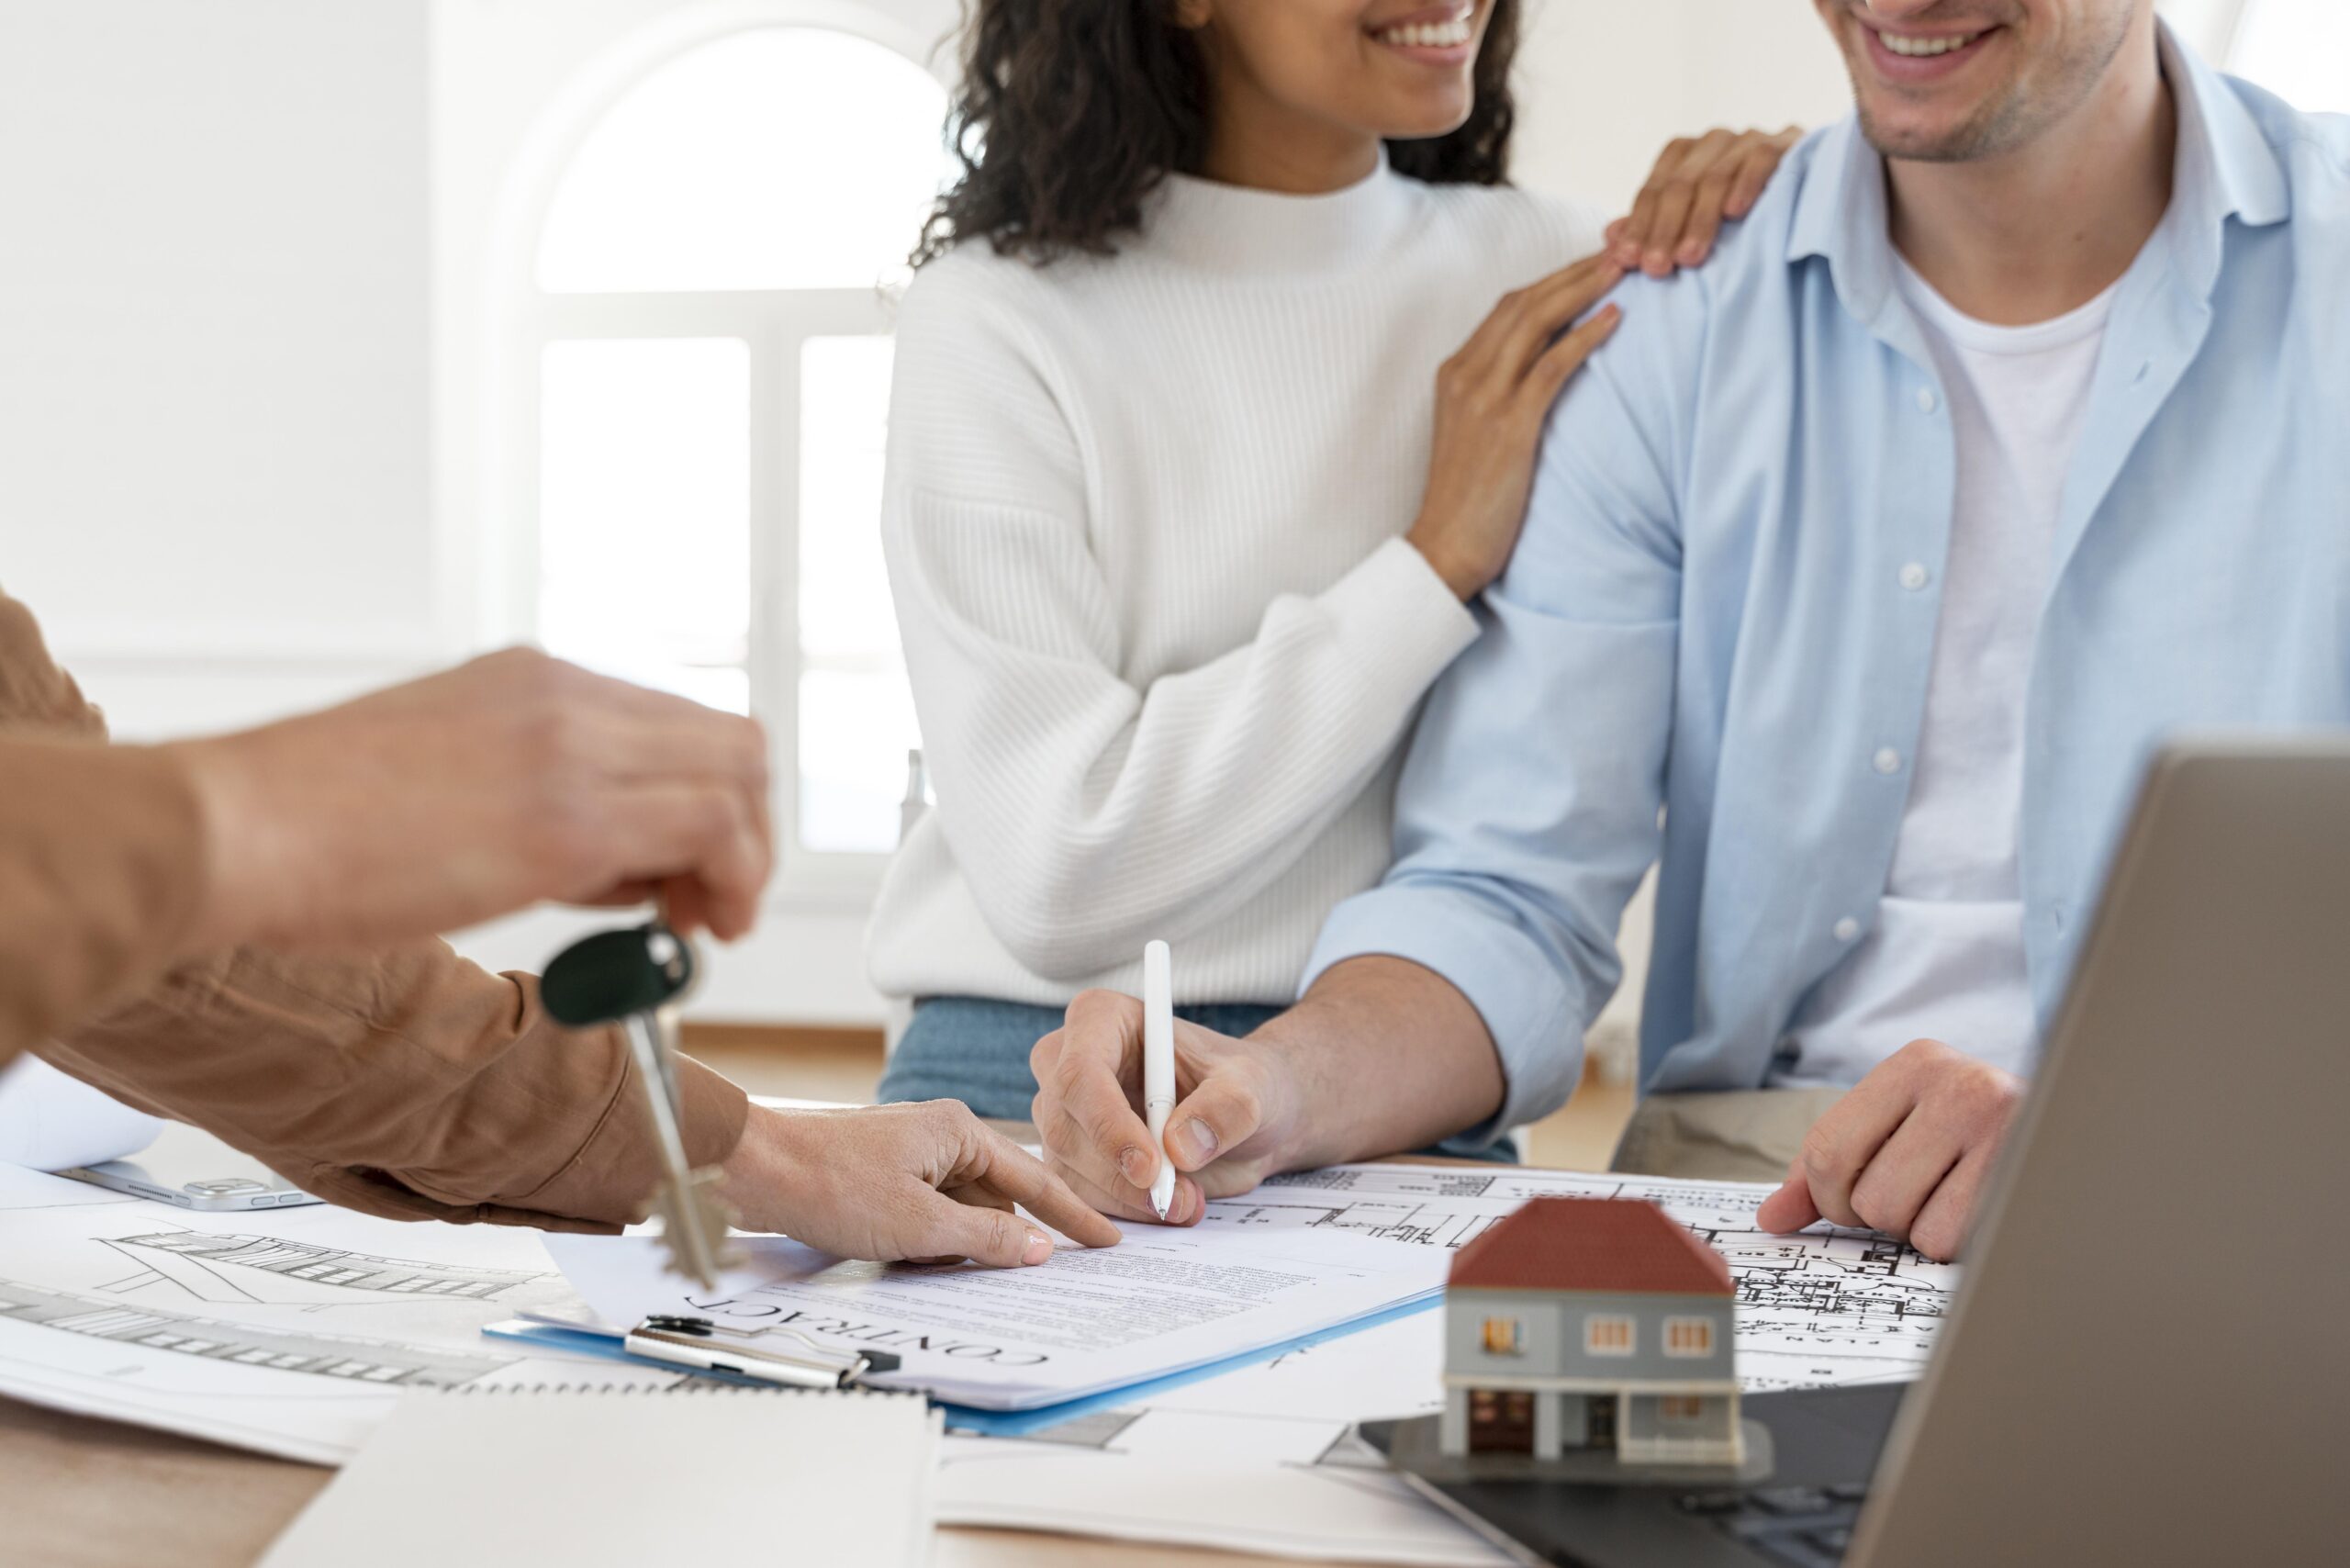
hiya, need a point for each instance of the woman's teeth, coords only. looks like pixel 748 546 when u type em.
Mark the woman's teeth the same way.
pixel 1430 35
pixel 1925 48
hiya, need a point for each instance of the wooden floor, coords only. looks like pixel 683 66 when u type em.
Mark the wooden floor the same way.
pixel 846 1064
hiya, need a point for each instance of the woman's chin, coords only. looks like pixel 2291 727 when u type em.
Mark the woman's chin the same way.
pixel 1432 111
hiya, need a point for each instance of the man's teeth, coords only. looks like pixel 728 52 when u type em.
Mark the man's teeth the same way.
pixel 1428 35
pixel 1925 48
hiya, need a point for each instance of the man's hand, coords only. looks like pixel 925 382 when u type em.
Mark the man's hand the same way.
pixel 1234 1123
pixel 927 1181
pixel 473 793
pixel 1906 1152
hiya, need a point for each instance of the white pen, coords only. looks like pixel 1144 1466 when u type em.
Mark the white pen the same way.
pixel 1158 1065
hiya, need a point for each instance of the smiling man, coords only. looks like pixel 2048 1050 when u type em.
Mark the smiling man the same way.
pixel 1862 571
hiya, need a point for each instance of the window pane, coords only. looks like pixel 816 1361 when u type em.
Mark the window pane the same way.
pixel 2299 50
pixel 644 512
pixel 856 714
pixel 777 158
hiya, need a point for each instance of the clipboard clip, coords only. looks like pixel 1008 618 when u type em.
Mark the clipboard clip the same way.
pixel 692 1343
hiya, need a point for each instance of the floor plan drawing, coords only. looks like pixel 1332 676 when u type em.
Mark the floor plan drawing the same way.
pixel 1820 1306
pixel 293 1331
pixel 352 1359
pixel 236 1267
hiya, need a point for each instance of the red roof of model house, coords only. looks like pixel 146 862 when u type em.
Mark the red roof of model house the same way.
pixel 1591 1244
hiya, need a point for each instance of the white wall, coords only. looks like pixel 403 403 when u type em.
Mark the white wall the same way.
pixel 214 461
pixel 1604 84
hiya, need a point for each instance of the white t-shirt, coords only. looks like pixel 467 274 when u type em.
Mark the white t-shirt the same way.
pixel 1945 957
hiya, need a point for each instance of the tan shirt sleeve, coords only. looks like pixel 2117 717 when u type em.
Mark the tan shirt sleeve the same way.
pixel 101 857
pixel 405 1082
pixel 408 1083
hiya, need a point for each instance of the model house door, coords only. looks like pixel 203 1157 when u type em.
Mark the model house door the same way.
pixel 1600 1429
pixel 1501 1423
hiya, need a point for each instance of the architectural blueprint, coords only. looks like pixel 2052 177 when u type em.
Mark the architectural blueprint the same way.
pixel 1825 1306
pixel 289 1330
pixel 292 1331
pixel 1270 1442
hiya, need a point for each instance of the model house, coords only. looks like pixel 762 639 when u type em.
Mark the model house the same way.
pixel 1590 1322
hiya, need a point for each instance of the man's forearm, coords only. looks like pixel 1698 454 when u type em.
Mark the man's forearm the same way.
pixel 405 1079
pixel 1388 1055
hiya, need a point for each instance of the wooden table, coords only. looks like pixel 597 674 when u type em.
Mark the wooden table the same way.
pixel 81 1493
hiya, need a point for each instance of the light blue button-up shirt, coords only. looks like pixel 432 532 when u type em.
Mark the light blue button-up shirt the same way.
pixel 1714 635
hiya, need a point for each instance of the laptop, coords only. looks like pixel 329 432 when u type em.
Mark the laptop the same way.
pixel 2148 1361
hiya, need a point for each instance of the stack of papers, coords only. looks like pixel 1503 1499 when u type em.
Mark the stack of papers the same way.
pixel 1161 1303
pixel 1105 1377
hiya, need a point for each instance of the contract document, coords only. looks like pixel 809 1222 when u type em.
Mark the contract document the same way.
pixel 1163 1301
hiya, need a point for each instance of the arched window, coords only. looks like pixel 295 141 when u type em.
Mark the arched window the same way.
pixel 699 396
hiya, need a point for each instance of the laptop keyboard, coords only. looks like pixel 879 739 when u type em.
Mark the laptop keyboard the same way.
pixel 1802 1526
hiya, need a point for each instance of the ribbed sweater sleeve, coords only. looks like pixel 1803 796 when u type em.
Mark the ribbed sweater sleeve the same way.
pixel 1090 812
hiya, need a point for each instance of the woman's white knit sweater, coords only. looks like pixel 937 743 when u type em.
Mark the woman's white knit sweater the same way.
pixel 1143 520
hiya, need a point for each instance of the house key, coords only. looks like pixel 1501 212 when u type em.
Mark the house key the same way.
pixel 635 978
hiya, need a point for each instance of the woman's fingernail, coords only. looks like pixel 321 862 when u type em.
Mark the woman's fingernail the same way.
pixel 1198 1140
pixel 1138 1167
pixel 1040 1247
pixel 1692 253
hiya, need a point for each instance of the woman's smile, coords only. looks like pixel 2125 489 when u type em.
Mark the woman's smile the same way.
pixel 1435 35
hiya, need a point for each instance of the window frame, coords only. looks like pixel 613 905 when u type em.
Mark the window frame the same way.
pixel 521 320
pixel 1594 1323
pixel 1703 1327
pixel 1508 1331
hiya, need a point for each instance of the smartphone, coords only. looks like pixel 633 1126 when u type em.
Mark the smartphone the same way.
pixel 193 1169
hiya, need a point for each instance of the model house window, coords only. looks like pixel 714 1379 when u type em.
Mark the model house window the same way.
pixel 1688 1335
pixel 1607 1335
pixel 1680 1407
pixel 702 385
pixel 1501 1336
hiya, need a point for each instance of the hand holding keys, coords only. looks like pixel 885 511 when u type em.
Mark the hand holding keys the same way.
pixel 635 978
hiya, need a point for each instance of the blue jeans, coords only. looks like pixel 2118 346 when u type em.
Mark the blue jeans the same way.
pixel 975 1050
pixel 971 1049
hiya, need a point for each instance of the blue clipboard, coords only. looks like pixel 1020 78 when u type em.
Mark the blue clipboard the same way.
pixel 608 1346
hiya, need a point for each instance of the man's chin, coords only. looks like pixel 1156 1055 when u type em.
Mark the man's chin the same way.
pixel 1939 139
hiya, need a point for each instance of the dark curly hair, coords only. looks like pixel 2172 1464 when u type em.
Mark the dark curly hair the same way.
pixel 1072 111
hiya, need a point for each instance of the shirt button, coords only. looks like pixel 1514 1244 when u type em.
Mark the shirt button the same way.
pixel 1847 929
pixel 1887 761
pixel 1926 401
pixel 1913 576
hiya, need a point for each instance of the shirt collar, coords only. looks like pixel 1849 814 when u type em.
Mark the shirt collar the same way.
pixel 2225 168
pixel 1234 229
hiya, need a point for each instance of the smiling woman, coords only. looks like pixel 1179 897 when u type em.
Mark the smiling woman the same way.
pixel 1217 395
pixel 1071 111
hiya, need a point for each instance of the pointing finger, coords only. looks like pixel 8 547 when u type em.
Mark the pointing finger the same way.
pixel 1790 1208
pixel 996 1237
pixel 1001 1166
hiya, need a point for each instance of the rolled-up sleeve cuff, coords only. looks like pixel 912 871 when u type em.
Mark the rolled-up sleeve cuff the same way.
pixel 613 1176
pixel 1530 1009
